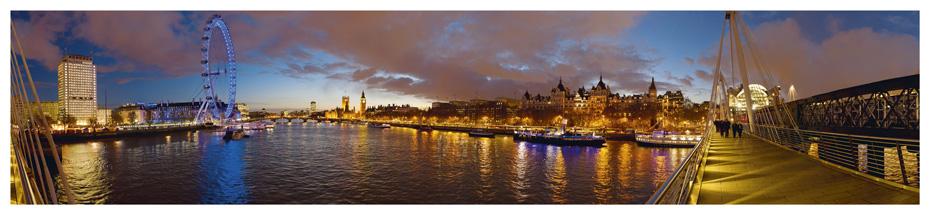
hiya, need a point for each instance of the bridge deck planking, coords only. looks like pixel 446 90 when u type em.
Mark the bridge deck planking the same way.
pixel 750 171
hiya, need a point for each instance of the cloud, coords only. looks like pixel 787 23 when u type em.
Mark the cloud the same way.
pixel 845 58
pixel 435 55
pixel 704 75
pixel 685 80
pixel 296 70
pixel 143 40
pixel 139 40
pixel 38 34
pixel 439 55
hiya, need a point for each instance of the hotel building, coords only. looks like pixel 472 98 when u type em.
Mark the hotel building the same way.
pixel 77 89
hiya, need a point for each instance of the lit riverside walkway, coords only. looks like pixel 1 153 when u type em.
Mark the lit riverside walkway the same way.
pixel 750 171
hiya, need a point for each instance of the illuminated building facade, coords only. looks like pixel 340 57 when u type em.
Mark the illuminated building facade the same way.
pixel 345 103
pixel 155 113
pixel 77 89
pixel 243 109
pixel 759 94
pixel 594 100
pixel 49 110
pixel 103 116
pixel 586 105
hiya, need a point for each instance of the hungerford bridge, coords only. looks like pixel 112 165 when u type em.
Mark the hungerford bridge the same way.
pixel 858 145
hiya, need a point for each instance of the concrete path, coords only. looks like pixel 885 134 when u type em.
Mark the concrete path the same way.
pixel 750 171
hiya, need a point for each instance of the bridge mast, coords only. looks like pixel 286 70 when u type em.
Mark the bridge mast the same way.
pixel 718 86
pixel 744 74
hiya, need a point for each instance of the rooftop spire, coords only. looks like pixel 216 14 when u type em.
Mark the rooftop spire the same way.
pixel 652 86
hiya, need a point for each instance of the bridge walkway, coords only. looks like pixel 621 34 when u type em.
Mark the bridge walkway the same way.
pixel 749 170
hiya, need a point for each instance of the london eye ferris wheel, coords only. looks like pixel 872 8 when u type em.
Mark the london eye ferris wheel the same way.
pixel 213 109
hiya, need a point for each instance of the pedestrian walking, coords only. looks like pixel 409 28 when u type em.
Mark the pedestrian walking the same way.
pixel 726 128
pixel 739 130
pixel 735 129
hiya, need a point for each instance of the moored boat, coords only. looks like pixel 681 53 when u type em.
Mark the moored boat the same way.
pixel 480 133
pixel 575 139
pixel 668 139
pixel 374 125
pixel 234 134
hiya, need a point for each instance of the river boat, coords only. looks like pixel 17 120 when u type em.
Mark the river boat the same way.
pixel 560 138
pixel 374 125
pixel 668 139
pixel 480 133
pixel 234 134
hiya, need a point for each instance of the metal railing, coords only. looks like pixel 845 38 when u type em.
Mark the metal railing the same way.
pixel 677 188
pixel 890 159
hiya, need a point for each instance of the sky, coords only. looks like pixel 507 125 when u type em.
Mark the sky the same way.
pixel 287 59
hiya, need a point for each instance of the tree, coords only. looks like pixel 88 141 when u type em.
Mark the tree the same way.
pixel 49 119
pixel 68 120
pixel 115 118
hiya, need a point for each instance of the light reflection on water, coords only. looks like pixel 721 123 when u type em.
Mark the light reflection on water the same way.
pixel 222 173
pixel 338 163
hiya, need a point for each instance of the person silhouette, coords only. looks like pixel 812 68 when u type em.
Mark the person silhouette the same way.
pixel 740 130
pixel 737 130
pixel 726 128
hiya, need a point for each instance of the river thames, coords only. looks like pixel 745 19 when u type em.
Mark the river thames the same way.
pixel 345 163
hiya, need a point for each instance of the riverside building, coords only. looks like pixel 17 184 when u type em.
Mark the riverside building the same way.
pixel 77 90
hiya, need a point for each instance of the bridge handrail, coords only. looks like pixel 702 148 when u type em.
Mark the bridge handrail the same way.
pixel 909 141
pixel 677 188
pixel 856 153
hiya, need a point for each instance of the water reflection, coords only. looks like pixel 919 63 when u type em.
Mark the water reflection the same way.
pixel 555 173
pixel 521 184
pixel 343 163
pixel 602 176
pixel 223 173
pixel 87 172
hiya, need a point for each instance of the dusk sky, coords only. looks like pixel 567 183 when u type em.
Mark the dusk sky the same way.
pixel 288 59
